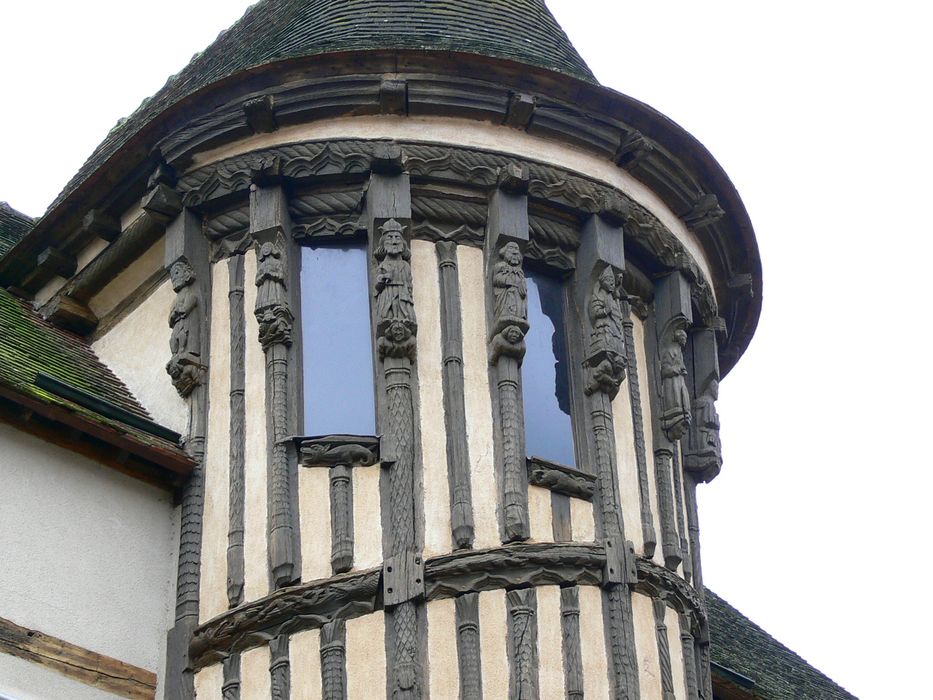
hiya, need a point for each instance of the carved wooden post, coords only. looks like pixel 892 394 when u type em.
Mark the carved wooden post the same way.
pixel 468 649
pixel 279 668
pixel 334 660
pixel 339 454
pixel 570 635
pixel 522 645
pixel 649 536
pixel 689 657
pixel 388 207
pixel 231 687
pixel 235 552
pixel 458 457
pixel 678 474
pixel 506 239
pixel 188 261
pixel 600 262
pixel 271 231
pixel 664 648
pixel 670 402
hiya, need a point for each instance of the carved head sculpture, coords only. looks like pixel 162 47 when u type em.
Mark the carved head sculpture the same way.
pixel 607 281
pixel 398 332
pixel 713 389
pixel 181 274
pixel 392 241
pixel 680 337
pixel 511 253
pixel 268 249
pixel 513 334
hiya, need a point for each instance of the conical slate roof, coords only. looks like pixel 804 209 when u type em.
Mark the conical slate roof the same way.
pixel 273 30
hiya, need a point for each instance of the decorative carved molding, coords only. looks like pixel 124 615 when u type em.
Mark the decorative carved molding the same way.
pixel 340 453
pixel 649 536
pixel 237 477
pixel 523 643
pixel 561 479
pixel 570 642
pixel 334 660
pixel 279 668
pixel 468 647
pixel 313 604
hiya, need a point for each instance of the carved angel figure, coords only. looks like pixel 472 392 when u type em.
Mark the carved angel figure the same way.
pixel 394 302
pixel 675 400
pixel 510 289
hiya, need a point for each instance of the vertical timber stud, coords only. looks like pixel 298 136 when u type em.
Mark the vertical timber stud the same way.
pixel 678 473
pixel 649 536
pixel 235 552
pixel 231 687
pixel 507 311
pixel 279 669
pixel 670 402
pixel 388 217
pixel 458 457
pixel 334 660
pixel 270 229
pixel 187 258
pixel 570 637
pixel 664 649
pixel 689 656
pixel 468 650
pixel 596 291
pixel 522 605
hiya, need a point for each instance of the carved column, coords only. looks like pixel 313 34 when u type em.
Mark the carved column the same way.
pixel 570 637
pixel 279 669
pixel 506 238
pixel 638 422
pixel 458 457
pixel 270 229
pixel 468 649
pixel 689 657
pixel 188 263
pixel 339 454
pixel 388 207
pixel 522 645
pixel 231 686
pixel 334 660
pixel 664 649
pixel 235 552
pixel 600 262
pixel 670 399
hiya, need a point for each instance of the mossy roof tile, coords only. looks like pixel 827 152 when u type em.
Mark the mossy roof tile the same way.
pixel 13 226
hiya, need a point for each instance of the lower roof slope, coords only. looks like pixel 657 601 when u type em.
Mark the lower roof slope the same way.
pixel 779 674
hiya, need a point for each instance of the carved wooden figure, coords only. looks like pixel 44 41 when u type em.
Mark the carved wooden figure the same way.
pixel 185 366
pixel 703 450
pixel 606 360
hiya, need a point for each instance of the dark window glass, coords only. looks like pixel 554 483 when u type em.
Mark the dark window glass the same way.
pixel 337 347
pixel 545 373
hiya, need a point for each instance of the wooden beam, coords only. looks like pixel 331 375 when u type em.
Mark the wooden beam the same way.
pixel 80 664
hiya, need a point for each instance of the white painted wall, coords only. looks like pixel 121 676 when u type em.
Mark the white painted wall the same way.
pixel 87 556
pixel 137 350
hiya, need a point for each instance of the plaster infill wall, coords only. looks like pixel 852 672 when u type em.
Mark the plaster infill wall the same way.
pixel 88 557
pixel 137 349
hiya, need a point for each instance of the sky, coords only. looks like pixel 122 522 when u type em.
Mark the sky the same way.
pixel 822 115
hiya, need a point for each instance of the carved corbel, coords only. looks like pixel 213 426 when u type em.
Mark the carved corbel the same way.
pixel 703 450
pixel 705 211
pixel 340 454
pixel 507 237
pixel 260 114
pixel 633 149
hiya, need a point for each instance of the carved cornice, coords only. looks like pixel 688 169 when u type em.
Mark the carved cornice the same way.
pixel 313 604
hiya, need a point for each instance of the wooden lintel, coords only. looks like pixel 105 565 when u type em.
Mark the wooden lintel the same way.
pixel 80 664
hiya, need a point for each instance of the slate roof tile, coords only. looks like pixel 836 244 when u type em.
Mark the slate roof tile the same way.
pixel 13 226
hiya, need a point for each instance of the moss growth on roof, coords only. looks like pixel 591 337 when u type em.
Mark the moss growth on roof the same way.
pixel 13 226
pixel 742 646
pixel 275 30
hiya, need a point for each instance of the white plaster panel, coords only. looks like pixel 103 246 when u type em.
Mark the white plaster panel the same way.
pixel 209 682
pixel 593 644
pixel 443 664
pixel 90 251
pixel 255 678
pixel 255 542
pixel 366 657
pixel 540 517
pixel 627 467
pixel 314 515
pixel 477 400
pixel 146 330
pixel 367 518
pixel 672 621
pixel 472 134
pixel 493 633
pixel 137 273
pixel 550 644
pixel 216 521
pixel 95 571
pixel 48 290
pixel 646 647
pixel 582 520
pixel 426 293
pixel 304 653
pixel 641 356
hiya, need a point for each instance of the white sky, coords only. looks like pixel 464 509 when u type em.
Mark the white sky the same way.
pixel 821 113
